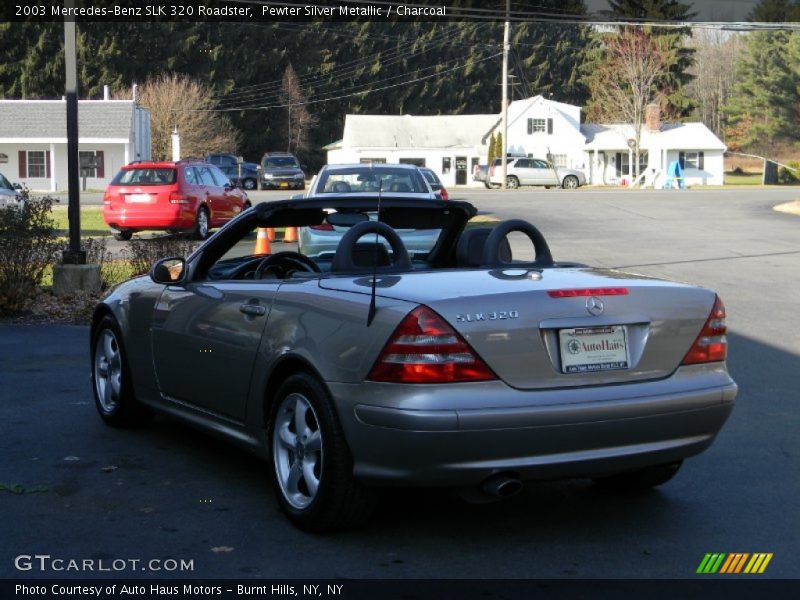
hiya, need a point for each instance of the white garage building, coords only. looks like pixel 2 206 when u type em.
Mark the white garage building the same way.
pixel 452 144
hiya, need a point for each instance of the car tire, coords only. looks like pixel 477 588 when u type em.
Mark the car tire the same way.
pixel 201 224
pixel 570 182
pixel 123 235
pixel 249 184
pixel 512 182
pixel 641 480
pixel 312 469
pixel 111 378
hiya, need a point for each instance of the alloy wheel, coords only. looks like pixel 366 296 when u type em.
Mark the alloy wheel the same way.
pixel 297 450
pixel 108 370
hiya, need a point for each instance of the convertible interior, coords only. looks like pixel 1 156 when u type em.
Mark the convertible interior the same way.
pixel 370 245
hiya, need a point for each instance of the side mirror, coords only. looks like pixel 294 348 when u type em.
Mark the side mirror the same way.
pixel 168 271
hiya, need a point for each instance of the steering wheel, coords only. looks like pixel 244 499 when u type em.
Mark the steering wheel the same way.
pixel 492 248
pixel 343 260
pixel 285 263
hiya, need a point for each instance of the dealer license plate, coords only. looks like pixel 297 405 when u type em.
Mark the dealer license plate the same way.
pixel 138 197
pixel 591 349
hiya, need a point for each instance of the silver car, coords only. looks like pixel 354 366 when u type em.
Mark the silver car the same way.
pixel 535 171
pixel 466 369
pixel 367 181
pixel 9 194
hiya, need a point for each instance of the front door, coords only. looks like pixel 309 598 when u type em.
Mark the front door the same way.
pixel 205 338
pixel 461 170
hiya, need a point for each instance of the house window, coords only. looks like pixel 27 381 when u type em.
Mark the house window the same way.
pixel 540 126
pixel 446 164
pixel 87 163
pixel 559 160
pixel 417 162
pixel 36 164
pixel 537 125
pixel 691 160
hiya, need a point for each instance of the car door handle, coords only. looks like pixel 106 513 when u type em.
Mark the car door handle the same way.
pixel 254 310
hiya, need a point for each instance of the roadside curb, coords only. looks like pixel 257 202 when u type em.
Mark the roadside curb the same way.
pixel 793 208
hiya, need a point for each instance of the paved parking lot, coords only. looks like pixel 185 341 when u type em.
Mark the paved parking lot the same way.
pixel 73 488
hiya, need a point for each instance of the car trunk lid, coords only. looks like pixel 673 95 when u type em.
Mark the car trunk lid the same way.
pixel 528 335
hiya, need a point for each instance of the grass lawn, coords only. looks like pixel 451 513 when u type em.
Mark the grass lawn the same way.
pixel 743 179
pixel 92 223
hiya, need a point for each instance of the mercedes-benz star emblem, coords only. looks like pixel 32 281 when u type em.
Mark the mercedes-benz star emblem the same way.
pixel 594 305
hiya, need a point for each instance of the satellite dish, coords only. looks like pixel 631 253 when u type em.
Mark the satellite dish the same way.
pixel 631 143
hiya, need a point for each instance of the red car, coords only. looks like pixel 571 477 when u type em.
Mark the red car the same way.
pixel 188 195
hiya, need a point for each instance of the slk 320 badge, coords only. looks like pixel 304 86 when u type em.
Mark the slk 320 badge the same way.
pixel 489 316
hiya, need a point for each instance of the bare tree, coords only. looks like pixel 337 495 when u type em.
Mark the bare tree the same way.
pixel 716 53
pixel 299 121
pixel 625 81
pixel 177 101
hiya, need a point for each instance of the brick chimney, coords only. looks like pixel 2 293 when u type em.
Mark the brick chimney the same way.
pixel 652 117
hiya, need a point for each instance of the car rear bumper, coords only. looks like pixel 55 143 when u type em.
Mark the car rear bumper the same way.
pixel 174 216
pixel 399 435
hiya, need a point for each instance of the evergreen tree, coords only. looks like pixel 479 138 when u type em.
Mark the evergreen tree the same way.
pixel 498 146
pixel 766 93
pixel 775 11
pixel 492 145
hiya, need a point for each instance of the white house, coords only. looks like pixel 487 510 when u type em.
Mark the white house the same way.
pixel 452 144
pixel 693 145
pixel 449 144
pixel 33 140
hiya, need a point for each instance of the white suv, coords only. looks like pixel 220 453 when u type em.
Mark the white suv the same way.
pixel 534 171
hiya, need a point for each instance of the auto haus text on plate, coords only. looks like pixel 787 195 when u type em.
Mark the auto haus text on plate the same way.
pixel 312 10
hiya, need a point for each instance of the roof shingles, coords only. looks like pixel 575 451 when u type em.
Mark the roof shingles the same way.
pixel 110 119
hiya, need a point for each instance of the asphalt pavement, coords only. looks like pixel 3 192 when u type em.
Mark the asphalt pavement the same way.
pixel 73 488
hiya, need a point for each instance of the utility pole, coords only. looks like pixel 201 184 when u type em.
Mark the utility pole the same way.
pixel 504 158
pixel 72 274
pixel 74 255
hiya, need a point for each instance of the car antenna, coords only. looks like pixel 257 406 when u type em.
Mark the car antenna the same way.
pixel 371 313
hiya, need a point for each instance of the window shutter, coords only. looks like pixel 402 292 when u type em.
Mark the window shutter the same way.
pixel 682 159
pixel 101 164
pixel 549 126
pixel 700 161
pixel 618 163
pixel 530 126
pixel 23 164
pixel 47 164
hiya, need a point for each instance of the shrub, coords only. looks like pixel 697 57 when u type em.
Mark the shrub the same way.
pixel 28 246
pixel 142 253
pixel 788 175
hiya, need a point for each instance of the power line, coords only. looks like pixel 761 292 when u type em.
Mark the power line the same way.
pixel 363 92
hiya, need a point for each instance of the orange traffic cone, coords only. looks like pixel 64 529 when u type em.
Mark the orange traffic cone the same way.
pixel 271 234
pixel 262 242
pixel 290 234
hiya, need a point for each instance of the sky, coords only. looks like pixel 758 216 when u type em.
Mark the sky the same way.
pixel 707 10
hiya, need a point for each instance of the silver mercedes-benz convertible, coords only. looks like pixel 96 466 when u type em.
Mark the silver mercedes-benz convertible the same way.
pixel 462 368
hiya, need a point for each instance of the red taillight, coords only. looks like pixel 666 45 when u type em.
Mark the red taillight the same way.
pixel 107 198
pixel 178 198
pixel 445 195
pixel 491 170
pixel 711 344
pixel 322 227
pixel 425 349
pixel 587 292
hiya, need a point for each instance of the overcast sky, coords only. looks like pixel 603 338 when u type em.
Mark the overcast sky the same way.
pixel 707 10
